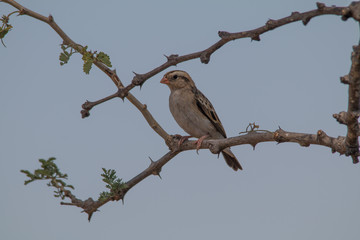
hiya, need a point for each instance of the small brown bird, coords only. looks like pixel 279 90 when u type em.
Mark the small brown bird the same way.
pixel 194 113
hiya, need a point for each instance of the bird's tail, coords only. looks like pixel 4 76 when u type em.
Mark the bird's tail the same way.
pixel 230 159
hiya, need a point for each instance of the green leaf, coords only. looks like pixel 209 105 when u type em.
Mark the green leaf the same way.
pixel 4 31
pixel 63 58
pixel 87 66
pixel 104 58
pixel 65 55
pixel 49 171
pixel 114 184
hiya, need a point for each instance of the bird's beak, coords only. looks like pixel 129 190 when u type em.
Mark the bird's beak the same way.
pixel 164 80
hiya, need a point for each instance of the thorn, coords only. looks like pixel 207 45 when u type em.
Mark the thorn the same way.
pixel 138 79
pixel 253 145
pixel 355 159
pixel 320 5
pixel 205 58
pixel 89 216
pixel 172 58
pixel 135 73
pixel 223 34
pixel 345 79
pixel 157 170
pixel 306 20
pixel 51 18
pixel 255 38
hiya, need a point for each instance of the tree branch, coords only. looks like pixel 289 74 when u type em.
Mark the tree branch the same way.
pixel 344 145
pixel 350 118
pixel 353 112
pixel 215 146
pixel 204 55
pixel 112 74
pixel 252 137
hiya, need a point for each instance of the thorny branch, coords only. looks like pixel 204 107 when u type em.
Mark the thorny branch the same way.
pixel 111 73
pixel 204 55
pixel 253 138
pixel 350 118
pixel 344 145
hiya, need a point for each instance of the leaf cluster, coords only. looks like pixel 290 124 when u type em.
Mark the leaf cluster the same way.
pixel 49 171
pixel 88 57
pixel 113 183
pixel 5 26
pixel 65 55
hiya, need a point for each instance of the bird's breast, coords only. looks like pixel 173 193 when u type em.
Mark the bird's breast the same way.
pixel 186 113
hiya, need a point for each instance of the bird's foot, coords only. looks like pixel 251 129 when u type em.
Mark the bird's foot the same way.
pixel 182 139
pixel 199 142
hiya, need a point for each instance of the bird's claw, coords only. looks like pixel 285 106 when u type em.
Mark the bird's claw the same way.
pixel 199 142
pixel 182 139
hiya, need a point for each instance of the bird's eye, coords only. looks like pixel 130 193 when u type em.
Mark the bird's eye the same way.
pixel 175 76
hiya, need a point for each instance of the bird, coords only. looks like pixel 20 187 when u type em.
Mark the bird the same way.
pixel 194 113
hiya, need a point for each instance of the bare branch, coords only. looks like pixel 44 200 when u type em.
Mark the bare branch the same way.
pixel 205 55
pixel 279 136
pixel 353 112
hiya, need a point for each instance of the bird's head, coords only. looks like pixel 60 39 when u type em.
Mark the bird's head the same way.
pixel 177 79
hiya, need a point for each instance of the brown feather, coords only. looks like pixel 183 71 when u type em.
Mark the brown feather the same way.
pixel 208 110
pixel 231 160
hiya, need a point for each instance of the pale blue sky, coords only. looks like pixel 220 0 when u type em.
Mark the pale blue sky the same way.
pixel 289 79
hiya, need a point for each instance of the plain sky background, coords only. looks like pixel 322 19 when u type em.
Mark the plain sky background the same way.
pixel 288 79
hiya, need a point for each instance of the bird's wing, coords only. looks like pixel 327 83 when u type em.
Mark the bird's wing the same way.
pixel 208 110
